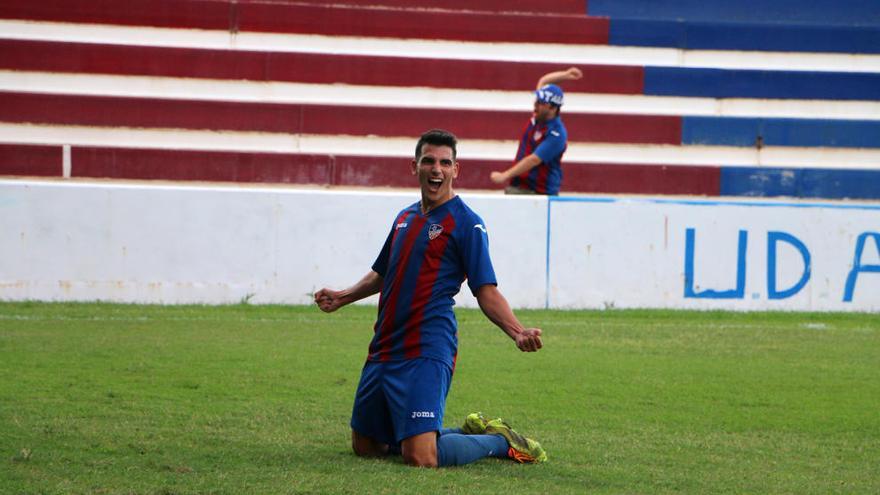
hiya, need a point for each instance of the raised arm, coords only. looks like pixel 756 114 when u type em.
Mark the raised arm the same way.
pixel 330 300
pixel 495 307
pixel 570 74
pixel 529 162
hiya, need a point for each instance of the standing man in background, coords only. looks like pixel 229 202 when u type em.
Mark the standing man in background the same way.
pixel 433 246
pixel 538 163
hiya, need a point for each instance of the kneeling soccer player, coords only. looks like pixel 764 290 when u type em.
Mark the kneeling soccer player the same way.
pixel 432 247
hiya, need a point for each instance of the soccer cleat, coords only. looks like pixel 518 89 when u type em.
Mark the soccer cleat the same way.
pixel 474 424
pixel 522 449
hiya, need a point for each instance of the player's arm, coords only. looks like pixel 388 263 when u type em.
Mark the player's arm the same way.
pixel 495 307
pixel 330 300
pixel 570 74
pixel 552 146
pixel 529 162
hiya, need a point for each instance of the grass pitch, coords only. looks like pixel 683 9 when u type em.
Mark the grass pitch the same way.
pixel 98 398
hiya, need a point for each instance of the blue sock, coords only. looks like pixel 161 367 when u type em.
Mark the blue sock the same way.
pixel 456 450
pixel 446 431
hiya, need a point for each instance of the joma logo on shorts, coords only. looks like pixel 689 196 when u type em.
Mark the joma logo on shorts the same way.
pixel 423 414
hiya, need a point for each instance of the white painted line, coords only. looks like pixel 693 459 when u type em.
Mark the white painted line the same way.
pixel 341 94
pixel 513 52
pixel 258 187
pixel 837 158
pixel 66 164
pixel 148 138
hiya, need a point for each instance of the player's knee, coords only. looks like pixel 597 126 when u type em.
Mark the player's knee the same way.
pixel 358 449
pixel 366 451
pixel 364 447
pixel 420 459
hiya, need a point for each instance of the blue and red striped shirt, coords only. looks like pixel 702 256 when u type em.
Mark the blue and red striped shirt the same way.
pixel 548 141
pixel 423 263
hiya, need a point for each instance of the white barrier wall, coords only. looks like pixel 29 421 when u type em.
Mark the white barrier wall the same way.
pixel 736 254
pixel 185 244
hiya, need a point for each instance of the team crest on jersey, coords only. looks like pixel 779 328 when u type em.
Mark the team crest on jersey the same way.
pixel 537 135
pixel 434 230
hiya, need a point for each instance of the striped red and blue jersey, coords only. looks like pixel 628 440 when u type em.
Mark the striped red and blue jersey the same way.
pixel 548 141
pixel 423 263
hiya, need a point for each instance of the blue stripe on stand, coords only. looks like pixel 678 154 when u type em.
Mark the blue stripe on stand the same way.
pixel 721 83
pixel 720 131
pixel 647 32
pixel 840 184
pixel 800 183
pixel 699 35
pixel 759 182
pixel 784 38
pixel 821 12
pixel 732 131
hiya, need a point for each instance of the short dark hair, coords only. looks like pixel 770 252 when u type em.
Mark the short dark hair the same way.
pixel 437 137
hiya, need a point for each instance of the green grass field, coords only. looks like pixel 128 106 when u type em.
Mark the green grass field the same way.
pixel 99 398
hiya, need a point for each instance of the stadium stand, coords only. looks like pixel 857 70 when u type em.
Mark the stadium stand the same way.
pixel 332 94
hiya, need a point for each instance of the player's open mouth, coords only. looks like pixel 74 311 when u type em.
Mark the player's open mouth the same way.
pixel 434 184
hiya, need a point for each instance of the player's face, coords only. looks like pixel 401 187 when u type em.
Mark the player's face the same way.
pixel 435 168
pixel 544 111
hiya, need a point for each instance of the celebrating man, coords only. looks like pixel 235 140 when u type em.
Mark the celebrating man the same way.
pixel 432 247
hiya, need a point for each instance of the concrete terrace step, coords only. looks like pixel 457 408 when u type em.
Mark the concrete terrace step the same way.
pixel 318 18
pixel 64 109
pixel 320 119
pixel 456 20
pixel 438 49
pixel 409 97
pixel 470 149
pixel 401 71
pixel 379 171
pixel 327 169
pixel 319 68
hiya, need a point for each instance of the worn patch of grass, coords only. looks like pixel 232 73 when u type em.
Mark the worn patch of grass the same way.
pixel 102 398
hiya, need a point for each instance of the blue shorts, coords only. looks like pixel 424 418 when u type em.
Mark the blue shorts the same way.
pixel 399 399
